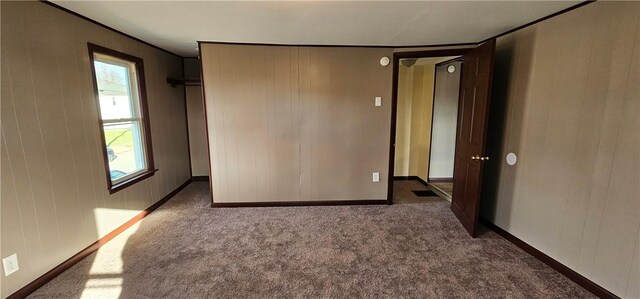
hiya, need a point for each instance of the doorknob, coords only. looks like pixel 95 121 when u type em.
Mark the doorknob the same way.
pixel 478 158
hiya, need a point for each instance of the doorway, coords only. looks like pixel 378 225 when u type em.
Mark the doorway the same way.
pixel 476 66
pixel 427 101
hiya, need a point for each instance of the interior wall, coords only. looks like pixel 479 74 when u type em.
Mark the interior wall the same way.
pixel 195 116
pixel 296 123
pixel 421 120
pixel 197 133
pixel 403 120
pixel 413 119
pixel 445 119
pixel 54 198
pixel 566 101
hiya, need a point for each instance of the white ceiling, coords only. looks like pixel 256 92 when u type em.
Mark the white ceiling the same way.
pixel 178 25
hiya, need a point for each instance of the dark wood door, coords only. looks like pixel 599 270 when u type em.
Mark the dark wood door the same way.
pixel 473 113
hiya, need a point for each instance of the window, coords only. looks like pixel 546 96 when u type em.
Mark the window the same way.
pixel 122 110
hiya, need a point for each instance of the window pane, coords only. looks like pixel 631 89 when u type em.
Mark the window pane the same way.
pixel 124 149
pixel 114 90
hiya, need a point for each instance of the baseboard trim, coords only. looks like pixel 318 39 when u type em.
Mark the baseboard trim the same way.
pixel 51 274
pixel 298 203
pixel 200 178
pixel 551 262
pixel 410 178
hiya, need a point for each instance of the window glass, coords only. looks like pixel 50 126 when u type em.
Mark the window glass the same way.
pixel 122 122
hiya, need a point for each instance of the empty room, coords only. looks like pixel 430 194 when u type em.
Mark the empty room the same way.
pixel 320 149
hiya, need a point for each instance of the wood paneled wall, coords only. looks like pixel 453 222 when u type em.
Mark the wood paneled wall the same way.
pixel 197 132
pixel 422 104
pixel 296 123
pixel 195 115
pixel 566 101
pixel 53 178
pixel 403 120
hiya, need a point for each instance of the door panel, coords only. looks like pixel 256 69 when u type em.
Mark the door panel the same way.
pixel 473 115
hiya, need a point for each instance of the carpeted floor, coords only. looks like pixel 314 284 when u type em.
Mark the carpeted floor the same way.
pixel 414 248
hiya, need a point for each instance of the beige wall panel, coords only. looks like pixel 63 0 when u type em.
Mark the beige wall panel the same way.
pixel 592 111
pixel 258 61
pixel 403 121
pixel 353 133
pixel 271 123
pixel 237 123
pixel 12 219
pixel 302 119
pixel 425 115
pixel 421 120
pixel 215 125
pixel 51 139
pixel 285 101
pixel 197 134
pixel 621 217
pixel 633 286
pixel 314 120
pixel 31 137
pixel 306 149
pixel 335 164
pixel 416 118
pixel 21 182
pixel 570 112
pixel 72 103
pixel 617 80
pixel 50 115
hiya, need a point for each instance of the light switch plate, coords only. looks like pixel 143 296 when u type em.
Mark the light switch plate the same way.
pixel 10 264
pixel 376 177
pixel 378 101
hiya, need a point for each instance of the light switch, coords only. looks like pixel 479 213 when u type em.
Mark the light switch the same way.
pixel 376 177
pixel 378 101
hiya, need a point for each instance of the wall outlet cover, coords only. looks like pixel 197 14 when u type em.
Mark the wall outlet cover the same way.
pixel 10 264
pixel 376 177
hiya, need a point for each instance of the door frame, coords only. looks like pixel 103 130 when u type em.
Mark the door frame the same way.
pixel 394 100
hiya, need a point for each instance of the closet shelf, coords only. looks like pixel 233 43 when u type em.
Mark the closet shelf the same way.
pixel 184 81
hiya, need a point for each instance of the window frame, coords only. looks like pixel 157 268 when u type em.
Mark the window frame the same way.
pixel 145 127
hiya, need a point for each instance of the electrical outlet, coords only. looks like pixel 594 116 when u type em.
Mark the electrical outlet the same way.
pixel 378 101
pixel 376 177
pixel 10 264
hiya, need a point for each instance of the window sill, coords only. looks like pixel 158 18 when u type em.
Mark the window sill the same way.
pixel 121 185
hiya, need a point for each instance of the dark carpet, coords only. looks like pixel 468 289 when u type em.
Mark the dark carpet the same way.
pixel 413 249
